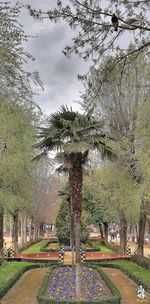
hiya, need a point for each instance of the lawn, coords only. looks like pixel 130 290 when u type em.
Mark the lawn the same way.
pixel 36 248
pixel 10 269
pixel 102 248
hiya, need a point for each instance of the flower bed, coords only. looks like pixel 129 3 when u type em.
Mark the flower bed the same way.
pixel 59 287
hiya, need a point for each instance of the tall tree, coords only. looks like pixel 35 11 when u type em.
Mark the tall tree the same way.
pixel 17 132
pixel 74 134
pixel 119 102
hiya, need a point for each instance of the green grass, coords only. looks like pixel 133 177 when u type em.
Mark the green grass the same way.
pixel 36 248
pixel 103 249
pixel 8 270
pixel 139 274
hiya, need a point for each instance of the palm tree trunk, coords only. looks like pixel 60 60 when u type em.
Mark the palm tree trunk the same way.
pixel 76 192
pixel 1 230
pixel 72 237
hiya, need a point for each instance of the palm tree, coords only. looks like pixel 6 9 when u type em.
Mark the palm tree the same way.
pixel 74 134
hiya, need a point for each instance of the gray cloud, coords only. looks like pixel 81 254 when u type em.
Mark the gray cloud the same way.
pixel 57 73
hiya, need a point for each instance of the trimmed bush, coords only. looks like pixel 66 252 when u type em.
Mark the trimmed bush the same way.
pixel 45 249
pixel 116 294
pixel 90 249
pixel 141 261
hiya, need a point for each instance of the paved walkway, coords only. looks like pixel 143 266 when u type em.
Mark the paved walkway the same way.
pixel 25 290
pixel 127 287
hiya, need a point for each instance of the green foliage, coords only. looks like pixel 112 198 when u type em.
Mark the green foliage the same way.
pixel 109 190
pixel 63 225
pixel 18 125
pixel 43 300
pixel 97 200
pixel 136 273
pixel 72 133
pixel 141 261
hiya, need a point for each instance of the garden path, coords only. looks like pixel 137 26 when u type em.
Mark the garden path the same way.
pixel 25 290
pixel 127 287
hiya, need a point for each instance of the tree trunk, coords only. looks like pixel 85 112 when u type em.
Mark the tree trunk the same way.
pixel 72 237
pixel 1 230
pixel 31 230
pixel 101 231
pixel 25 229
pixel 10 227
pixel 35 232
pixel 123 233
pixel 77 254
pixel 106 231
pixel 148 225
pixel 76 194
pixel 142 224
pixel 15 230
pixel 22 230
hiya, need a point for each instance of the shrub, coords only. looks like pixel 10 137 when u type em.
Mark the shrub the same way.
pixel 141 261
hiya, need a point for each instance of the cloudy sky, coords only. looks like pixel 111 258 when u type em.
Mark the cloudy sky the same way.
pixel 58 74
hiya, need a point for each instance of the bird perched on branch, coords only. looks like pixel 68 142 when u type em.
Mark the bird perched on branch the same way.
pixel 115 22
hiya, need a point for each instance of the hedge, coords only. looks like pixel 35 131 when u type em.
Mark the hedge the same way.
pixel 115 300
pixel 135 272
pixel 4 288
pixel 45 249
pixel 90 249
pixel 141 261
